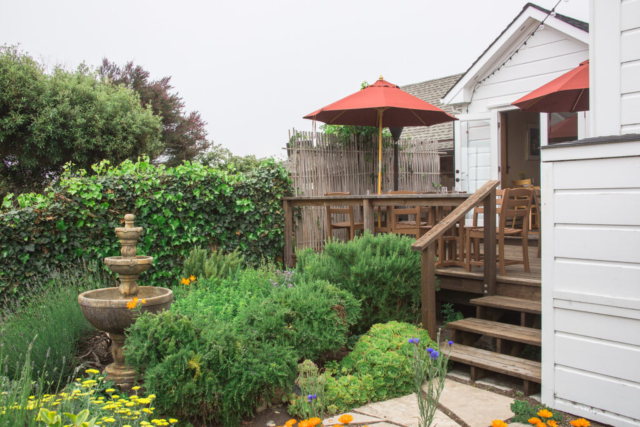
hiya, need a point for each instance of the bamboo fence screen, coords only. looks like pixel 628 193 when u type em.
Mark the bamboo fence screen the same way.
pixel 325 164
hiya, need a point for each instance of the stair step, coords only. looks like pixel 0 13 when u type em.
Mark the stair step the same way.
pixel 509 303
pixel 505 331
pixel 527 370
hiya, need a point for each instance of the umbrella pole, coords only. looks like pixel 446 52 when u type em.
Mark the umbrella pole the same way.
pixel 380 112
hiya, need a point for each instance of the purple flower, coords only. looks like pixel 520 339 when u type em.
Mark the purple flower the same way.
pixel 410 340
pixel 430 350
pixel 435 355
pixel 450 342
pixel 315 396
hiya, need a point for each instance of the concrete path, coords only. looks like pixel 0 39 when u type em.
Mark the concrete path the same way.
pixel 475 407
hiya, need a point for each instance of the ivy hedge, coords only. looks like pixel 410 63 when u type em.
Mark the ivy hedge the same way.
pixel 180 208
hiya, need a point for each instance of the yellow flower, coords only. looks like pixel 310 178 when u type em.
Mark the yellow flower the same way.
pixel 580 422
pixel 534 421
pixel 345 419
pixel 552 423
pixel 136 388
pixel 192 278
pixel 173 420
pixel 92 371
pixel 152 396
pixel 498 423
pixel 545 413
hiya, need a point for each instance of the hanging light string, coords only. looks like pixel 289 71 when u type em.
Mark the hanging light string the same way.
pixel 513 53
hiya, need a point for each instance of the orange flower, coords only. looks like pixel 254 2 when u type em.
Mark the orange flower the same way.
pixel 345 419
pixel 498 423
pixel 552 423
pixel 304 423
pixel 534 421
pixel 185 281
pixel 314 421
pixel 290 422
pixel 545 413
pixel 192 278
pixel 338 425
pixel 143 301
pixel 541 424
pixel 580 422
pixel 132 304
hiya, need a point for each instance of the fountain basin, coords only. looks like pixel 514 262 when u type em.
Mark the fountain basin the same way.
pixel 129 266
pixel 106 309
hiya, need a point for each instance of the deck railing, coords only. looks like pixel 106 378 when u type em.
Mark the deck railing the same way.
pixel 427 245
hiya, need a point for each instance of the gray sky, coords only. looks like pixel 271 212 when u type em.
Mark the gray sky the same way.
pixel 254 68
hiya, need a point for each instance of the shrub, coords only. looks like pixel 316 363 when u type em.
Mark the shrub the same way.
pixel 227 343
pixel 180 208
pixel 212 265
pixel 377 369
pixel 49 321
pixel 382 271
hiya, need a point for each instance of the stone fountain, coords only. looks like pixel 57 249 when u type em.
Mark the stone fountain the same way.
pixel 106 309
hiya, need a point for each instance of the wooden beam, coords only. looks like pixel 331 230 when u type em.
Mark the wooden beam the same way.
pixel 369 224
pixel 288 234
pixel 455 216
pixel 428 276
pixel 490 243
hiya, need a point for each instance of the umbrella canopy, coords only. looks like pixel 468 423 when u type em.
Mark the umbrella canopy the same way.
pixel 566 94
pixel 381 104
pixel 362 107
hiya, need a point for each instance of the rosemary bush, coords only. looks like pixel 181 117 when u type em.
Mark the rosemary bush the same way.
pixel 381 271
pixel 212 264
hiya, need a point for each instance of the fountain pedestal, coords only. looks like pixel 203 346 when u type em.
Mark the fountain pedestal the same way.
pixel 106 309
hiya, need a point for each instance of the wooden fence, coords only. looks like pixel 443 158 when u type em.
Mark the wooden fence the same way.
pixel 324 165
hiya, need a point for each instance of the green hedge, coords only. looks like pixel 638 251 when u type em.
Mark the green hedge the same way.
pixel 180 208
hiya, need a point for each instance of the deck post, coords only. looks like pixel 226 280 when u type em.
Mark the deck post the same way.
pixel 368 216
pixel 428 279
pixel 288 234
pixel 490 243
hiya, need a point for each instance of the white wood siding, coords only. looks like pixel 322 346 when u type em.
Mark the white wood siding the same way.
pixel 549 54
pixel 591 281
pixel 630 66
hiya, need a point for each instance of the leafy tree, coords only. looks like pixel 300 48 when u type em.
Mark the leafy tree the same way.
pixel 183 135
pixel 47 120
pixel 223 158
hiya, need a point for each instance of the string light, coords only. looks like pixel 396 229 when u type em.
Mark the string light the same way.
pixel 523 46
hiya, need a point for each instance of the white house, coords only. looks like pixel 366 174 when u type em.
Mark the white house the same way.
pixel 591 236
pixel 493 139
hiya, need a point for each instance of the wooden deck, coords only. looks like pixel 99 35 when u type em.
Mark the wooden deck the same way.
pixel 516 283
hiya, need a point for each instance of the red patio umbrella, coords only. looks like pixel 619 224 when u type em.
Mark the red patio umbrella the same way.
pixel 566 94
pixel 381 104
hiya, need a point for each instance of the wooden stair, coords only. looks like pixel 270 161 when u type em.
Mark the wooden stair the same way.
pixel 510 340
pixel 502 331
pixel 482 362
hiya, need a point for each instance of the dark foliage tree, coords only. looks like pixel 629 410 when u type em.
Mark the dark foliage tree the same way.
pixel 184 136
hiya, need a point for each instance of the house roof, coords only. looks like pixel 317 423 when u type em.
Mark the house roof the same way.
pixel 432 91
pixel 581 25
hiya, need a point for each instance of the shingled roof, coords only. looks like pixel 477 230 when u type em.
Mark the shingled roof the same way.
pixel 432 91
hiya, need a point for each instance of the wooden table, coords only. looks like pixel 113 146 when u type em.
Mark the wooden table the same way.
pixel 368 202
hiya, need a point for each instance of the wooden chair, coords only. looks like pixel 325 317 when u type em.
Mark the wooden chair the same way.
pixel 479 209
pixel 512 201
pixel 351 226
pixel 415 227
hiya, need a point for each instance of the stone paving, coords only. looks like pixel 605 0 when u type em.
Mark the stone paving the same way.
pixel 474 406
